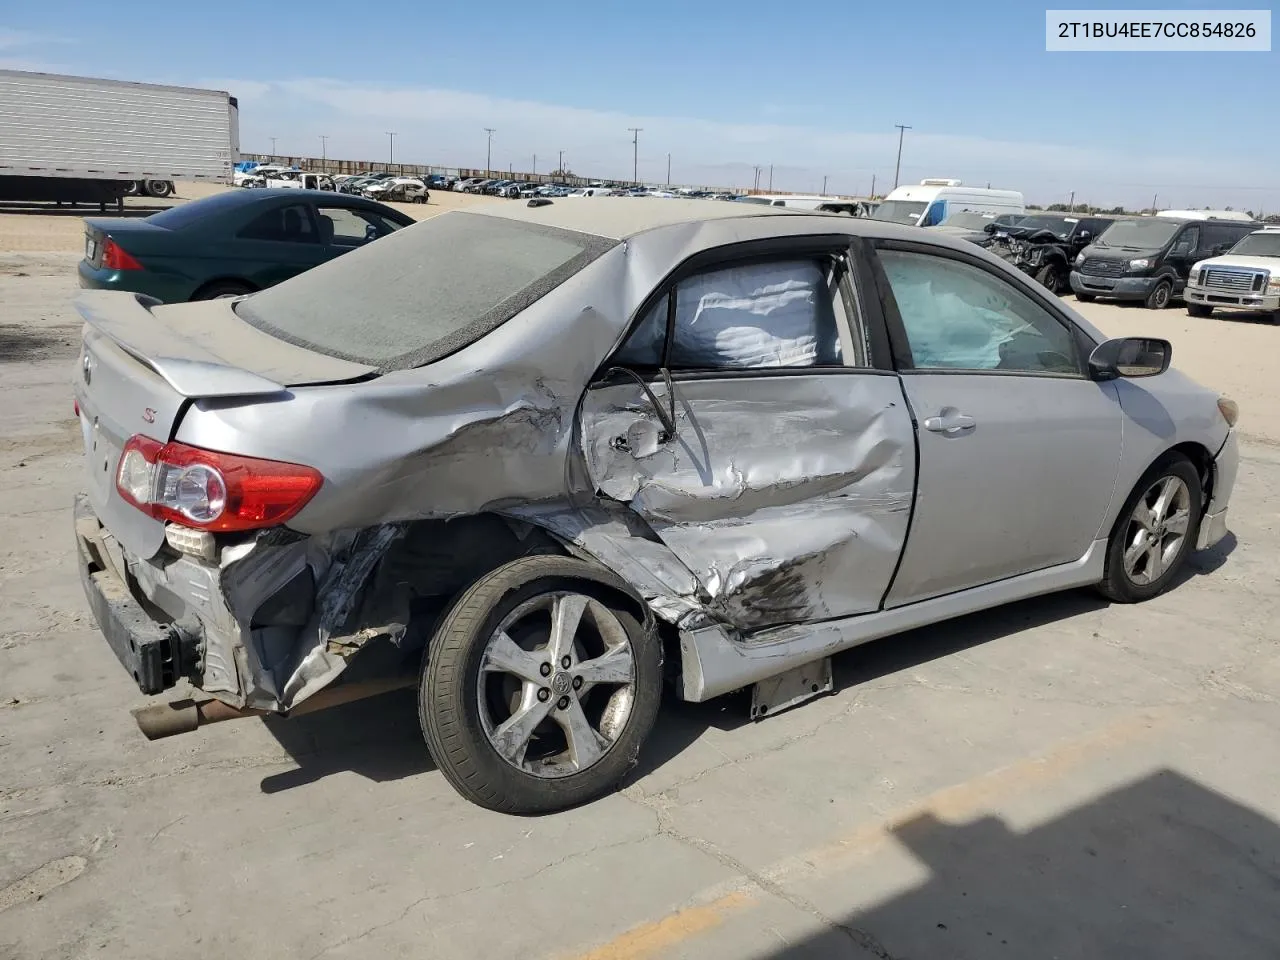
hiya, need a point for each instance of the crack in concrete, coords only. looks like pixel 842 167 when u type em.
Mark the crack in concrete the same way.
pixel 863 939
pixel 498 885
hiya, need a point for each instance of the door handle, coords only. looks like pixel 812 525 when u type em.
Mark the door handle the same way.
pixel 952 422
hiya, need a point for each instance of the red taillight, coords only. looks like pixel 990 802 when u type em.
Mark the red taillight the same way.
pixel 211 491
pixel 114 257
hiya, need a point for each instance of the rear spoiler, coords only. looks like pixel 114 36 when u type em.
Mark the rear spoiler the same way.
pixel 191 370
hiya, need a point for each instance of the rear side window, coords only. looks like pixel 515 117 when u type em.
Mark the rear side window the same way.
pixel 751 316
pixel 424 291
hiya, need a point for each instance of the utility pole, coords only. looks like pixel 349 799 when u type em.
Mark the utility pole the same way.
pixel 488 155
pixel 873 187
pixel 635 153
pixel 534 171
pixel 824 186
pixel 756 184
pixel 1071 204
pixel 391 157
pixel 561 163
pixel 668 169
pixel 897 169
pixel 273 146
pixel 771 178
pixel 1153 203
pixel 324 148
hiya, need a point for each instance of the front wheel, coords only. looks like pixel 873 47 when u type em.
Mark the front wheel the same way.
pixel 1160 295
pixel 1086 297
pixel 1155 532
pixel 1049 277
pixel 1199 310
pixel 539 688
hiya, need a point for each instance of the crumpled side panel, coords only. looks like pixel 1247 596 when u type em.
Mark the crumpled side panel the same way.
pixel 787 496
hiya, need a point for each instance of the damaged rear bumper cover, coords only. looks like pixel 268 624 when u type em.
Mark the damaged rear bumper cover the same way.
pixel 230 627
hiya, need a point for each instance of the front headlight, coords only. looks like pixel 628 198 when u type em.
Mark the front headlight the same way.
pixel 1079 258
pixel 1229 409
pixel 1139 264
pixel 1273 285
pixel 1194 275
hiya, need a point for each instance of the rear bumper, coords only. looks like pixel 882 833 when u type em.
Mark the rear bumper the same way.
pixel 164 289
pixel 1222 300
pixel 154 653
pixel 1119 288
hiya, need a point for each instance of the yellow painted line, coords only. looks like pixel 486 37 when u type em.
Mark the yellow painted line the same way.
pixel 958 802
pixel 648 939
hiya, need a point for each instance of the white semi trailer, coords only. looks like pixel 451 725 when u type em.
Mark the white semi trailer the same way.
pixel 84 140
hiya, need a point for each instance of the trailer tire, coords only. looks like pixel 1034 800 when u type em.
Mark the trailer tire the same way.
pixel 158 188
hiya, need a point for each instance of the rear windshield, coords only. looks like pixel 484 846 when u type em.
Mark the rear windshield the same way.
pixel 177 217
pixel 422 292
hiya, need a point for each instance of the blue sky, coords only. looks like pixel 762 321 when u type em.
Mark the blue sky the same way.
pixel 813 89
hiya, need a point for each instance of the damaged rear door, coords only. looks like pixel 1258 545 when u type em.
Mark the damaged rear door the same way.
pixel 752 424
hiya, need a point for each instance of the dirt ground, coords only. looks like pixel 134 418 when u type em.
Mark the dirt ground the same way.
pixel 1058 778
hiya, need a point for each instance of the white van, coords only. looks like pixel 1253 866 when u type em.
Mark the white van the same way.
pixel 931 201
pixel 590 192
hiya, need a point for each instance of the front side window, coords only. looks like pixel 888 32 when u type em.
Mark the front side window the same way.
pixel 750 316
pixel 350 228
pixel 1189 240
pixel 960 317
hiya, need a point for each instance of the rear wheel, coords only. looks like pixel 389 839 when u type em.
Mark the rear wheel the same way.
pixel 1199 310
pixel 159 188
pixel 538 688
pixel 223 290
pixel 1155 532
pixel 1160 296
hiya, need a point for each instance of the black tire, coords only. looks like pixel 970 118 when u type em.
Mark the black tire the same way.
pixel 1199 310
pixel 449 698
pixel 1117 585
pixel 222 289
pixel 159 188
pixel 133 188
pixel 1050 277
pixel 1086 297
pixel 1160 296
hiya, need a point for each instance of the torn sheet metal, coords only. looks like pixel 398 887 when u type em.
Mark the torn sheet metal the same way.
pixel 788 497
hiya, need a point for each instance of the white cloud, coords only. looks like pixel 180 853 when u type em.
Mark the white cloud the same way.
pixel 16 39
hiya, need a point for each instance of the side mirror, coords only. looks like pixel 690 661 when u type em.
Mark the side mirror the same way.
pixel 1084 236
pixel 1130 357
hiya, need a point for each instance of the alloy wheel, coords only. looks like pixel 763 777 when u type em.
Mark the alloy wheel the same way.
pixel 1157 530
pixel 556 684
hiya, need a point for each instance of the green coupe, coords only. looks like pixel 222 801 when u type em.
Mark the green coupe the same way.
pixel 230 244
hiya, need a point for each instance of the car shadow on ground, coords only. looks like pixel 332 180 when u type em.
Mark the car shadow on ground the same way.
pixel 379 738
pixel 1158 868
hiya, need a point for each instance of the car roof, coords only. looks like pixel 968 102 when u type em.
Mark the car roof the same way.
pixel 618 218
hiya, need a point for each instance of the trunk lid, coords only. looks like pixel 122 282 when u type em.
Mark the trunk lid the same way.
pixel 134 236
pixel 141 364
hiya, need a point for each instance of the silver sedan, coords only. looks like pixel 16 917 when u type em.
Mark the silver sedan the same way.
pixel 539 459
